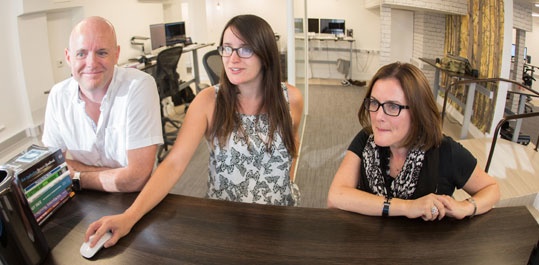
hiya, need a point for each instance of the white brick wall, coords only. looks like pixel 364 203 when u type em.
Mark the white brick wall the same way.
pixel 522 13
pixel 457 7
pixel 518 64
pixel 385 35
pixel 429 39
pixel 429 28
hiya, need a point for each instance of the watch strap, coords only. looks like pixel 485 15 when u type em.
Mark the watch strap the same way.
pixel 385 210
pixel 76 181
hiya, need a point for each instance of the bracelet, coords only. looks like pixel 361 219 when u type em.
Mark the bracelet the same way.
pixel 472 201
pixel 385 210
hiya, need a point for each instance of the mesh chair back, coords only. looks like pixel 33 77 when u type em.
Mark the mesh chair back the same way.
pixel 214 66
pixel 166 75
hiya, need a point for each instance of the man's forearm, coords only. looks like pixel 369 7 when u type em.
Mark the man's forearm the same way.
pixel 75 165
pixel 108 179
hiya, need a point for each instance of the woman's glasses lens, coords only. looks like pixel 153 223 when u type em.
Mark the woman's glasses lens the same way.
pixel 391 109
pixel 243 52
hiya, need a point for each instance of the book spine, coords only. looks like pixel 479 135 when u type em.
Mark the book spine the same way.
pixel 44 180
pixel 46 194
pixel 42 218
pixel 51 204
pixel 28 176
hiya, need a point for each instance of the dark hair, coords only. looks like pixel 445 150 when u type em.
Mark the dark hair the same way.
pixel 257 34
pixel 426 123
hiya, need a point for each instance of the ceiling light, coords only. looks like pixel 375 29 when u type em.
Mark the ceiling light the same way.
pixel 535 14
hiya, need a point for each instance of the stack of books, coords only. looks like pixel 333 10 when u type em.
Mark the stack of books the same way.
pixel 44 178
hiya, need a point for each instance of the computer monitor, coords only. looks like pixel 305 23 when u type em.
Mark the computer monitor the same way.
pixel 175 33
pixel 157 36
pixel 313 25
pixel 298 25
pixel 333 26
pixel 513 52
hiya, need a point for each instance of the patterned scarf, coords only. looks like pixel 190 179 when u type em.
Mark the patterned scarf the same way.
pixel 406 181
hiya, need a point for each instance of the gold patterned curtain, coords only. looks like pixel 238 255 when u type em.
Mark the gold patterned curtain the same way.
pixel 478 36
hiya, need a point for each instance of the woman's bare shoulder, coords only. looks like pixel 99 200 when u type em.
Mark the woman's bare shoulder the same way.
pixel 204 101
pixel 294 94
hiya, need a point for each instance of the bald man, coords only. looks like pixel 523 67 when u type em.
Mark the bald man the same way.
pixel 105 118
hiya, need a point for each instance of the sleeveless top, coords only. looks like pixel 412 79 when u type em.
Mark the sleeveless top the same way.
pixel 243 171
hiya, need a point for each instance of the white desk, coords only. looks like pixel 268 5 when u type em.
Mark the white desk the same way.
pixel 330 37
pixel 194 48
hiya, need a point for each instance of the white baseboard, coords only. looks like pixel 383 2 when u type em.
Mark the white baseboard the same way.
pixel 12 140
pixel 34 132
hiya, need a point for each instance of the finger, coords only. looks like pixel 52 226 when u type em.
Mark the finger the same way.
pixel 113 240
pixel 440 205
pixel 442 199
pixel 434 212
pixel 446 202
pixel 99 233
pixel 442 212
pixel 91 230
pixel 96 238
pixel 424 217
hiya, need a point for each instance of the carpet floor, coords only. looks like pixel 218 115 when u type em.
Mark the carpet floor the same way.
pixel 329 128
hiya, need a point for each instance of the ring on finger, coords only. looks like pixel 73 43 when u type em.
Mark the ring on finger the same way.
pixel 434 210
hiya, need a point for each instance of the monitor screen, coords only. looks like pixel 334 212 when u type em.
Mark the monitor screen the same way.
pixel 175 33
pixel 298 25
pixel 157 36
pixel 314 25
pixel 333 26
pixel 513 52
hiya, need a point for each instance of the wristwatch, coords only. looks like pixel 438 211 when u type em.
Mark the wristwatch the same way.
pixel 76 181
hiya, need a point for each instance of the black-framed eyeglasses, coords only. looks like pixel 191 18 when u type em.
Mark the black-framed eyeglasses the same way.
pixel 390 108
pixel 242 52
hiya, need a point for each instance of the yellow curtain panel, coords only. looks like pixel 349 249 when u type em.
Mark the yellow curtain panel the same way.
pixel 478 36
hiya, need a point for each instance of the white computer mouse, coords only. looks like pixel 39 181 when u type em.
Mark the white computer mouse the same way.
pixel 88 252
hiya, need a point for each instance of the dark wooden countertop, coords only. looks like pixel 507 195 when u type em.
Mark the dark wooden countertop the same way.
pixel 187 230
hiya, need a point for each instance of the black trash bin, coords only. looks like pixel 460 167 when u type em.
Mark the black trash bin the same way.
pixel 21 238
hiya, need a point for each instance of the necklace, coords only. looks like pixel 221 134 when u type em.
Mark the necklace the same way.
pixel 393 169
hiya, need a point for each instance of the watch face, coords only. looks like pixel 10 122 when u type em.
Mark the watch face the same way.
pixel 76 184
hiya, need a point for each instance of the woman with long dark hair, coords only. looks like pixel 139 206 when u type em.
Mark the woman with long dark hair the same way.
pixel 250 121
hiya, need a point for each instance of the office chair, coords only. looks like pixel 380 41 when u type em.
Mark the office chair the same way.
pixel 214 66
pixel 168 84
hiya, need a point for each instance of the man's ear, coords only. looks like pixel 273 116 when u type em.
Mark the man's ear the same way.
pixel 117 53
pixel 67 56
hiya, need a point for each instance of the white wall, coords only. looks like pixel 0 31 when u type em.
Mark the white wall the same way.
pixel 366 26
pixel 30 68
pixel 35 35
pixel 532 42
pixel 274 12
pixel 59 26
pixel 364 22
pixel 13 104
pixel 402 37
pixel 37 70
pixel 130 18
